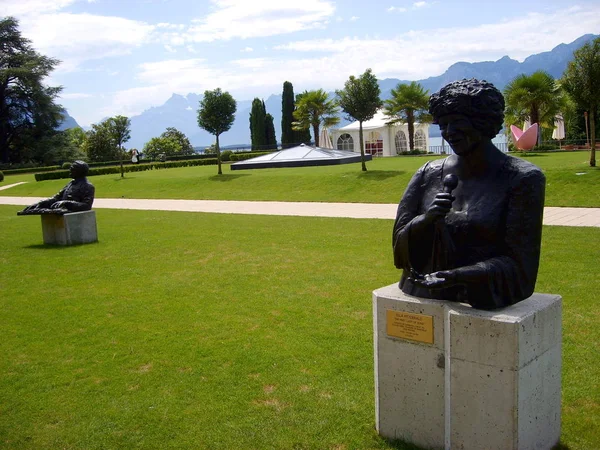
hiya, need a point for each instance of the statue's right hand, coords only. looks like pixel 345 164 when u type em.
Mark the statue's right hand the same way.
pixel 440 206
pixel 30 207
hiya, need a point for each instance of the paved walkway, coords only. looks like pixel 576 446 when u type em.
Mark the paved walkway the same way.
pixel 581 217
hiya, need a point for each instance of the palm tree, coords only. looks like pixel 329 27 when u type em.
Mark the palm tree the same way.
pixel 536 97
pixel 313 108
pixel 408 104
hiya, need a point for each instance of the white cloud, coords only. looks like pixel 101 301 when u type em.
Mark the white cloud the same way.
pixel 74 38
pixel 243 19
pixel 247 50
pixel 396 9
pixel 420 4
pixel 169 49
pixel 412 55
pixel 19 8
pixel 419 54
pixel 354 18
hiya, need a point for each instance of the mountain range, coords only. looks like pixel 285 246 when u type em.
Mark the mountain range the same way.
pixel 180 111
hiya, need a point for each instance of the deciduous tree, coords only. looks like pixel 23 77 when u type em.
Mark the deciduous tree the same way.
pixel 100 145
pixel 119 129
pixel 161 145
pixel 581 81
pixel 216 115
pixel 184 147
pixel 360 101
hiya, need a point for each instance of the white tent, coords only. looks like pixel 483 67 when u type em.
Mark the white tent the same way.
pixel 380 137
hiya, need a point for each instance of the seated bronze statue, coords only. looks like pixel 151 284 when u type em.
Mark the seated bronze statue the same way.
pixel 468 228
pixel 78 195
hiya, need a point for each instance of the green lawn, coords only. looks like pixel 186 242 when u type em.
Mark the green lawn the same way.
pixel 383 183
pixel 188 330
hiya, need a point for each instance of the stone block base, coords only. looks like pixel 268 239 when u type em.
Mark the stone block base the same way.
pixel 450 376
pixel 70 229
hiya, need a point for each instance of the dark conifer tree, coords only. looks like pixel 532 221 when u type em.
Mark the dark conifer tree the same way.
pixel 288 135
pixel 270 138
pixel 258 125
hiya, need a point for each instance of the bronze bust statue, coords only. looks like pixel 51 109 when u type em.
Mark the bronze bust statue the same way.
pixel 469 227
pixel 78 195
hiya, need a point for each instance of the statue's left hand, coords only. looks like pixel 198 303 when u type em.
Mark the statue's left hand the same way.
pixel 58 205
pixel 438 280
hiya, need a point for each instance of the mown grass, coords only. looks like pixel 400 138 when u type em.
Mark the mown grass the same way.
pixel 384 182
pixel 183 330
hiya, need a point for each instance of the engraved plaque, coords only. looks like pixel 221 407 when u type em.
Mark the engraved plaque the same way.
pixel 411 326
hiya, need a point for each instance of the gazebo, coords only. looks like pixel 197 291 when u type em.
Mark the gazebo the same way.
pixel 381 137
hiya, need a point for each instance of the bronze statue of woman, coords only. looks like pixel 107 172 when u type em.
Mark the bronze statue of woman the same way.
pixel 469 227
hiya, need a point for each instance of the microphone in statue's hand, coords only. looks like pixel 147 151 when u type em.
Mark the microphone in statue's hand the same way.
pixel 442 203
pixel 450 183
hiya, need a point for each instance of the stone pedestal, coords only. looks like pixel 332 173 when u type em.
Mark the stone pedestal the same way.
pixel 70 229
pixel 450 376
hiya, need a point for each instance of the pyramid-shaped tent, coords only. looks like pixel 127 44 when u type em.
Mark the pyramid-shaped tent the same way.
pixel 300 156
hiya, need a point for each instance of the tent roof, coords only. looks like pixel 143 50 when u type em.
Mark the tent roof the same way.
pixel 379 120
pixel 302 155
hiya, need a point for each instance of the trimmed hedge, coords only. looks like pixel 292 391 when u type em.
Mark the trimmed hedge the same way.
pixel 245 156
pixel 1 177
pixel 130 168
pixel 189 157
pixel 31 169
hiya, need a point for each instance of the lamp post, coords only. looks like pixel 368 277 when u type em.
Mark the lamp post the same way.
pixel 587 136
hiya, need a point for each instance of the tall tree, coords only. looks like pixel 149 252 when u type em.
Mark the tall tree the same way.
pixel 270 138
pixel 536 97
pixel 184 147
pixel 288 135
pixel 258 124
pixel 28 110
pixel 100 145
pixel 313 109
pixel 119 129
pixel 216 115
pixel 360 101
pixel 581 81
pixel 409 104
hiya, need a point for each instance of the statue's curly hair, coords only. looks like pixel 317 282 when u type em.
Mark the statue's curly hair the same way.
pixel 476 99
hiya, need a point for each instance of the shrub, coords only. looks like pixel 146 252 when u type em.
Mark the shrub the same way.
pixel 30 170
pixel 413 152
pixel 1 177
pixel 131 168
pixel 66 165
pixel 190 157
pixel 245 156
pixel 226 155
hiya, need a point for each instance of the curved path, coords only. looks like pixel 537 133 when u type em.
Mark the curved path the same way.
pixel 580 217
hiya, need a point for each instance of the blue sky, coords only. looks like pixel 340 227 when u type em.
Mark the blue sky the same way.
pixel 124 56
